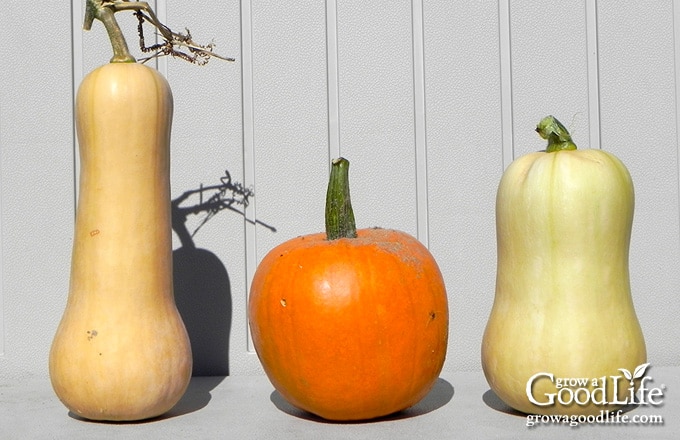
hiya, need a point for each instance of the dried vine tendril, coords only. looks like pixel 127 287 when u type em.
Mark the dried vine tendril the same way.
pixel 197 54
pixel 174 43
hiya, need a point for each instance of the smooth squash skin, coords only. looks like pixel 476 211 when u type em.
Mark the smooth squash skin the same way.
pixel 350 328
pixel 121 351
pixel 563 301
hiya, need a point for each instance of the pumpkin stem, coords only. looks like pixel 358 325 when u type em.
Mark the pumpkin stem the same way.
pixel 339 214
pixel 556 134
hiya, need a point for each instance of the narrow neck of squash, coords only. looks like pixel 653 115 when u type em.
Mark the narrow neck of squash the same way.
pixel 339 214
pixel 556 134
pixel 105 14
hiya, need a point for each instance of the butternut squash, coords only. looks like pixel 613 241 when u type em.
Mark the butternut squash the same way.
pixel 121 351
pixel 563 302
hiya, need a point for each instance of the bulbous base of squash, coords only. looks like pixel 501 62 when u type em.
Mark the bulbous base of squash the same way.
pixel 116 389
pixel 580 381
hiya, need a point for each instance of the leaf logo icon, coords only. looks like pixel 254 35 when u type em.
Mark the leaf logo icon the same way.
pixel 637 373
pixel 627 374
pixel 640 371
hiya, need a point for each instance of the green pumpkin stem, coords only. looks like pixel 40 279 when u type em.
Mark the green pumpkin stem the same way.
pixel 556 134
pixel 339 215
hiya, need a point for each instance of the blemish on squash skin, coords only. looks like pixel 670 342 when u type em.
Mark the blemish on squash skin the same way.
pixel 94 232
pixel 91 334
pixel 283 302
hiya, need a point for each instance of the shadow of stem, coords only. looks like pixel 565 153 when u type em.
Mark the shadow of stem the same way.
pixel 227 195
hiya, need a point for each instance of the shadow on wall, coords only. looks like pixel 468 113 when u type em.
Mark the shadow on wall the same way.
pixel 201 281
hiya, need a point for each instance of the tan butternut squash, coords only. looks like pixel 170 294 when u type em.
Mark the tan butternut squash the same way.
pixel 563 302
pixel 121 351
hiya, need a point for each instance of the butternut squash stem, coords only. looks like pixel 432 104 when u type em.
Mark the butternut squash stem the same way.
pixel 556 134
pixel 339 214
pixel 105 14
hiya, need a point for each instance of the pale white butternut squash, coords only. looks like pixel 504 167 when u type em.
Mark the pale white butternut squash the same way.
pixel 563 301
